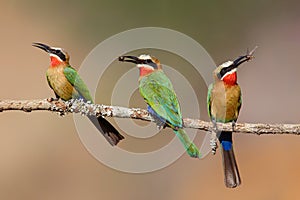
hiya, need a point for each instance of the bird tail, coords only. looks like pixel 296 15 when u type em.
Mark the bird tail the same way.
pixel 110 133
pixel 190 147
pixel 231 172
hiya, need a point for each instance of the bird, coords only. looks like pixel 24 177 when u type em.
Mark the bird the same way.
pixel 224 100
pixel 67 84
pixel 162 103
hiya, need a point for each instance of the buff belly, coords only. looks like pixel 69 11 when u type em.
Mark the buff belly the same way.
pixel 59 83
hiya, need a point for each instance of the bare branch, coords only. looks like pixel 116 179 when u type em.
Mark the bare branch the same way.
pixel 78 106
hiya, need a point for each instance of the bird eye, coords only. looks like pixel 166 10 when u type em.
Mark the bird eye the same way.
pixel 148 61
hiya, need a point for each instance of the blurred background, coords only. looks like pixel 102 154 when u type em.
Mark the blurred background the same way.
pixel 41 154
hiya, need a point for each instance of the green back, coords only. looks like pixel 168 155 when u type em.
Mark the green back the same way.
pixel 75 80
pixel 158 92
pixel 208 100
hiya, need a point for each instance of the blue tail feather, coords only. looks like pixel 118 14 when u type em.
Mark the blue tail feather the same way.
pixel 232 176
pixel 226 145
pixel 225 139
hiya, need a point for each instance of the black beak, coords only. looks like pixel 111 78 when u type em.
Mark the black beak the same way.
pixel 244 58
pixel 42 46
pixel 132 59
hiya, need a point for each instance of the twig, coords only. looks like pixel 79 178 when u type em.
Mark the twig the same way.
pixel 86 108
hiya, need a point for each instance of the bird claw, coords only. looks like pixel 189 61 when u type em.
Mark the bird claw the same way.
pixel 159 127
pixel 213 142
pixel 51 99
pixel 215 127
pixel 233 126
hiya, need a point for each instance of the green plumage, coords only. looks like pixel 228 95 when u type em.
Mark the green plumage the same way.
pixel 210 87
pixel 78 84
pixel 158 92
pixel 223 102
pixel 189 146
pixel 67 84
pixel 60 84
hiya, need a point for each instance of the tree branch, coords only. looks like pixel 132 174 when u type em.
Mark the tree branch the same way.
pixel 78 106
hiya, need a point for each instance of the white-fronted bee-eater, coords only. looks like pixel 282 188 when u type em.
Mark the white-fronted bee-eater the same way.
pixel 66 84
pixel 157 90
pixel 224 101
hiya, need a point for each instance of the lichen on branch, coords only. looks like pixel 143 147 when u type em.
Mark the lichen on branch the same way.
pixel 87 108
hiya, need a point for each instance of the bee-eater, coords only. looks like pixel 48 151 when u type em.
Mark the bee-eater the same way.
pixel 157 90
pixel 66 84
pixel 224 101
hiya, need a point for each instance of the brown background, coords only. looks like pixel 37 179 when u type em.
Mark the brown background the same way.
pixel 41 154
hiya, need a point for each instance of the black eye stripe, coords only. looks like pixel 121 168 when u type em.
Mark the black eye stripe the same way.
pixel 152 64
pixel 148 61
pixel 222 72
pixel 225 70
pixel 59 53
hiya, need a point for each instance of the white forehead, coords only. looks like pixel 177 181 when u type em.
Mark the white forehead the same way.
pixel 60 49
pixel 144 57
pixel 57 48
pixel 227 64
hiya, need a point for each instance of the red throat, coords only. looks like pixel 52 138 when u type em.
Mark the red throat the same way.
pixel 230 79
pixel 145 71
pixel 55 61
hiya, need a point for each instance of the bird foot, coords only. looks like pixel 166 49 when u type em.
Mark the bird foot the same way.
pixel 51 99
pixel 233 126
pixel 213 142
pixel 159 127
pixel 213 137
pixel 215 127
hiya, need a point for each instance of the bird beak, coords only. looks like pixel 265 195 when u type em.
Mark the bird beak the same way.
pixel 249 56
pixel 132 59
pixel 241 60
pixel 42 46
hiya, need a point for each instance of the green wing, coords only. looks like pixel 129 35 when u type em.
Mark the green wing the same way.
pixel 159 94
pixel 240 103
pixel 208 100
pixel 75 80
